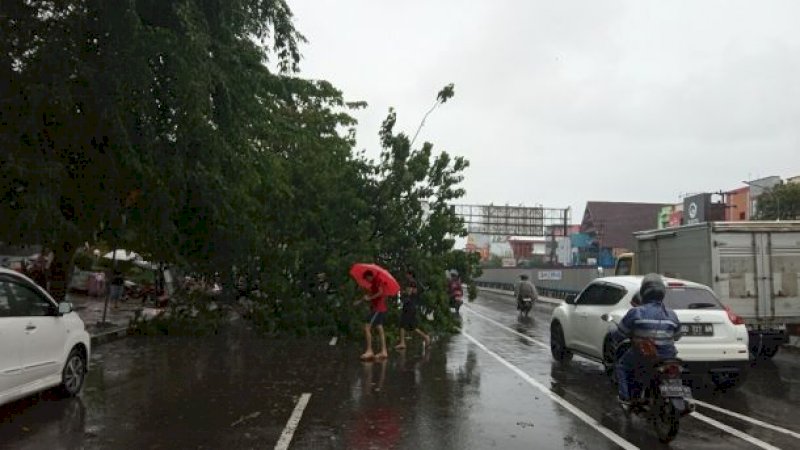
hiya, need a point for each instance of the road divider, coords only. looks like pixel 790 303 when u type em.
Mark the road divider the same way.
pixel 292 424
pixel 577 412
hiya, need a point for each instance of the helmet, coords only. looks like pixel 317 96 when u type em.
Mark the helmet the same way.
pixel 653 288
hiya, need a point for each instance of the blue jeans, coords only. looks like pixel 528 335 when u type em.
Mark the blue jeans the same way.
pixel 627 368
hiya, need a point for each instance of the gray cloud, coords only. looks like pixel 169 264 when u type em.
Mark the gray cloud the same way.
pixel 562 102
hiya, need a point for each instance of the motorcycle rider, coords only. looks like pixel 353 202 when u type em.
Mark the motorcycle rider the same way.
pixel 525 289
pixel 651 322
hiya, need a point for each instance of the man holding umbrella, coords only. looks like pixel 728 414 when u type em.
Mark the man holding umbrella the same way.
pixel 377 313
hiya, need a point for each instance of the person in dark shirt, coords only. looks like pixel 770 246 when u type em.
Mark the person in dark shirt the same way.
pixel 408 317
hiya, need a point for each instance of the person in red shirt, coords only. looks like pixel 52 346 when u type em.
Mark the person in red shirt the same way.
pixel 376 317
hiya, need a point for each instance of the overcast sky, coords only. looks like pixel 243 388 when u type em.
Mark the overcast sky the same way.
pixel 560 102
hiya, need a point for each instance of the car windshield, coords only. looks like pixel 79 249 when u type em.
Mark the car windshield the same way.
pixel 691 298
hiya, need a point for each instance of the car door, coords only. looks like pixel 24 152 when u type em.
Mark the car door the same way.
pixel 12 333
pixel 584 305
pixel 595 328
pixel 44 331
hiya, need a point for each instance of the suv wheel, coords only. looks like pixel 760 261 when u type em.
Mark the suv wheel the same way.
pixel 557 344
pixel 609 364
pixel 74 373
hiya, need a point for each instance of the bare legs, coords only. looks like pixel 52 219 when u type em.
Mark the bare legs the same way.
pixel 368 353
pixel 402 344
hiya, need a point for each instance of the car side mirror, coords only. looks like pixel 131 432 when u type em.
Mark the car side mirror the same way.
pixel 570 300
pixel 605 318
pixel 64 308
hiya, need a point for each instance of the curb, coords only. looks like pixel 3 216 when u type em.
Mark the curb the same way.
pixel 551 301
pixel 107 336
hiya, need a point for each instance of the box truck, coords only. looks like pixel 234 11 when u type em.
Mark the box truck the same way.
pixel 754 268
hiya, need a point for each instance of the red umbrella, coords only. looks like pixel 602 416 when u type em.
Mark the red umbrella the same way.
pixel 391 286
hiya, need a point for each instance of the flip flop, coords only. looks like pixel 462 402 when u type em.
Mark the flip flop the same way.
pixel 366 357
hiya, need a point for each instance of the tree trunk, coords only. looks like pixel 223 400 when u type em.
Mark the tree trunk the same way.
pixel 61 269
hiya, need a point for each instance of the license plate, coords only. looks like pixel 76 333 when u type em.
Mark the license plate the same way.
pixel 697 329
pixel 675 388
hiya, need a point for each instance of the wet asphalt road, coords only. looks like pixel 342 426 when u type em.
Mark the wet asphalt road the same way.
pixel 239 392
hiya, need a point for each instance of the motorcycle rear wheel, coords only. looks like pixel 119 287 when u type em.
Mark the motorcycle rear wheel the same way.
pixel 666 420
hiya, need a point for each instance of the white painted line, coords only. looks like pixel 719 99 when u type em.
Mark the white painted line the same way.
pixel 740 434
pixel 294 421
pixel 748 419
pixel 511 330
pixel 333 340
pixel 614 437
pixel 698 416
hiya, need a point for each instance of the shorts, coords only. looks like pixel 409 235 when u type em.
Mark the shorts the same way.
pixel 408 319
pixel 375 318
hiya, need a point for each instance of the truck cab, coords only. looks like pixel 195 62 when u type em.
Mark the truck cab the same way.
pixel 626 265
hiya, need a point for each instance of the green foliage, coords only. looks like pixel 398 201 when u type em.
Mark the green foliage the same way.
pixel 780 203
pixel 159 126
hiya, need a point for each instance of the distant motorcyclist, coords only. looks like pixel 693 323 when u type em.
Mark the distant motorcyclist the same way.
pixel 525 289
pixel 652 328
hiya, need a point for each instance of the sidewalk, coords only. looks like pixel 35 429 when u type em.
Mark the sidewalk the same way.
pixel 90 310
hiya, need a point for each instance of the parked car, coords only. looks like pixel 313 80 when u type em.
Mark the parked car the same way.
pixel 714 340
pixel 43 344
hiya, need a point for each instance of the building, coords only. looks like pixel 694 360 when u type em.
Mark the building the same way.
pixel 793 180
pixel 610 226
pixel 737 204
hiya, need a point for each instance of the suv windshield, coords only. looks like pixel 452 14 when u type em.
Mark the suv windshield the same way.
pixel 691 298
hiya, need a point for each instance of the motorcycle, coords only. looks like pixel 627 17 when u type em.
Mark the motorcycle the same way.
pixel 658 393
pixel 525 306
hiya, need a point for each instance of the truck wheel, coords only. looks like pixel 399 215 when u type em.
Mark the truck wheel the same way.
pixel 769 352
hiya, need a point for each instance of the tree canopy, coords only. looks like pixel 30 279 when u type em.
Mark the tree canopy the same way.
pixel 182 129
pixel 780 203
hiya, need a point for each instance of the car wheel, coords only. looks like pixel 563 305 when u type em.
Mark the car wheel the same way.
pixel 74 373
pixel 609 363
pixel 558 346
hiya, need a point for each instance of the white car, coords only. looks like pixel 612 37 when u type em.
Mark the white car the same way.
pixel 42 344
pixel 713 340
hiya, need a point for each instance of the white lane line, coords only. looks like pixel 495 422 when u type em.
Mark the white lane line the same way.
pixel 614 437
pixel 294 421
pixel 748 419
pixel 741 435
pixel 333 340
pixel 703 404
pixel 511 330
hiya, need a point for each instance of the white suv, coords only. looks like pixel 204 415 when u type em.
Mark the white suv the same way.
pixel 42 344
pixel 713 341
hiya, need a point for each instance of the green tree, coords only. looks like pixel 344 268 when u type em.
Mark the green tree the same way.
pixel 780 203
pixel 148 123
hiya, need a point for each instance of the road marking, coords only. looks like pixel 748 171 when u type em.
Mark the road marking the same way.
pixel 748 419
pixel 294 421
pixel 333 340
pixel 537 342
pixel 733 431
pixel 614 437
pixel 706 419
